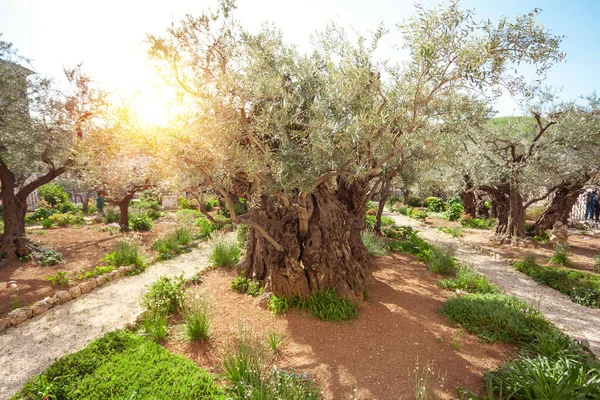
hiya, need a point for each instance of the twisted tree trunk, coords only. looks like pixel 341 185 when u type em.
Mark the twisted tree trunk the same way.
pixel 384 195
pixel 560 208
pixel 500 207
pixel 324 253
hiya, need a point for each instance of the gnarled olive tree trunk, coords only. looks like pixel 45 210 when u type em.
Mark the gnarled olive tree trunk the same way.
pixel 329 254
pixel 500 207
pixel 467 197
pixel 560 208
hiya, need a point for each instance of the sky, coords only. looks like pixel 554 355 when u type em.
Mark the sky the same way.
pixel 108 36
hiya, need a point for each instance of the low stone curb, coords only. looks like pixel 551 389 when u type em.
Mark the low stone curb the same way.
pixel 20 315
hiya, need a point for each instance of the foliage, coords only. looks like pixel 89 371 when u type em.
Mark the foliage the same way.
pixel 246 370
pixel 53 194
pixel 372 219
pixel 496 317
pixel 40 214
pixel 225 251
pixel 534 212
pixel 148 207
pixel 111 215
pixel 111 228
pixel 122 365
pixel 242 235
pixel 581 287
pixel 371 206
pixel 375 247
pixel 97 271
pixel 326 306
pixel 1 227
pixel 140 222
pixel 67 219
pixel 421 215
pixel 173 243
pixel 560 256
pixel 542 237
pixel 59 279
pixel 244 285
pixel 415 201
pixel 476 223
pixel 156 325
pixel 597 263
pixel 47 223
pixel 439 260
pixel 196 314
pixel 274 340
pixel 434 204
pixel 468 280
pixel 452 231
pixel 165 295
pixel 454 210
pixel 394 232
pixel 49 257
pixel 206 227
pixel 126 253
pixel 184 204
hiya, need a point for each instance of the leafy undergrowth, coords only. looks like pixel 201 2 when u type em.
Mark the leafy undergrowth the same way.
pixel 581 287
pixel 244 285
pixel 375 246
pixel 173 244
pixel 439 260
pixel 126 366
pixel 469 281
pixel 326 306
pixel 452 231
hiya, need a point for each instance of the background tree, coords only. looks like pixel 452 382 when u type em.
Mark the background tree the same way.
pixel 306 138
pixel 38 130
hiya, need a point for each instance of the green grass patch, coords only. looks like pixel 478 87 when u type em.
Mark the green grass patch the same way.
pixel 127 252
pixel 469 281
pixel 583 288
pixel 560 256
pixel 225 251
pixel 174 243
pixel 452 231
pixel 375 246
pixel 121 365
pixel 496 317
pixel 326 306
pixel 477 223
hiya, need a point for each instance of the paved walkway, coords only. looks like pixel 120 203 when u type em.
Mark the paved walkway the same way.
pixel 29 348
pixel 574 319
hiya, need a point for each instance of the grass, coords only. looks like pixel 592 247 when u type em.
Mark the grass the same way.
pixel 326 306
pixel 156 325
pixel 452 231
pixel 439 260
pixel 246 369
pixel 196 313
pixel 477 223
pixel 597 263
pixel 496 317
pixel 124 366
pixel 244 285
pixel 375 246
pixel 174 243
pixel 274 339
pixel 560 256
pixel 469 281
pixel 225 251
pixel 583 288
pixel 127 252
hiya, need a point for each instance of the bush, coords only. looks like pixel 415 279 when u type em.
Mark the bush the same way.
pixel 375 247
pixel 67 219
pixel 371 206
pixel 225 251
pixel 560 256
pixel 452 231
pixel 206 227
pixel 140 222
pixel 454 211
pixel 439 260
pixel 39 215
pixel 165 295
pixel 196 314
pixel 496 317
pixel 421 215
pixel 126 253
pixel 59 279
pixel 53 194
pixel 391 202
pixel 184 204
pixel 246 286
pixel 394 232
pixel 148 207
pixel 402 210
pixel 581 287
pixel 1 227
pixel 174 243
pixel 122 365
pixel 434 204
pixel 468 280
pixel 543 237
pixel 476 223
pixel 111 215
pixel 414 201
pixel 47 223
pixel 49 257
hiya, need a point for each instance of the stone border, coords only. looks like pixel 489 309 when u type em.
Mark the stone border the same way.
pixel 22 314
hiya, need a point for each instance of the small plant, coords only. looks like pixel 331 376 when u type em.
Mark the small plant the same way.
pixel 111 215
pixel 476 223
pixel 156 325
pixel 196 313
pixel 140 222
pixel 15 301
pixel 97 271
pixel 542 237
pixel 67 219
pixel 225 251
pixel 206 227
pixel 452 231
pixel 560 256
pixel 326 306
pixel 456 340
pixel 47 223
pixel 439 260
pixel 275 340
pixel 414 201
pixel 278 305
pixel 434 204
pixel 173 243
pixel 426 383
pixel 375 247
pixel 165 295
pixel 49 257
pixel 454 211
pixel 244 285
pixel 111 228
pixel 597 263
pixel 59 279
pixel 126 253
pixel 468 280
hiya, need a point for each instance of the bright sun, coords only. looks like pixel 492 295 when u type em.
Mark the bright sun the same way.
pixel 155 105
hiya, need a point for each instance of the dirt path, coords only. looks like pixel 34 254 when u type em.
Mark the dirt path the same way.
pixel 31 347
pixel 574 319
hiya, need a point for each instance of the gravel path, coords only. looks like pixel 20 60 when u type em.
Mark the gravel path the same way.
pixel 31 347
pixel 574 319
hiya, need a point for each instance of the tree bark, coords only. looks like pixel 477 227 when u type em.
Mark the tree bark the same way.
pixel 85 201
pixel 560 208
pixel 480 209
pixel 329 255
pixel 516 220
pixel 467 198
pixel 123 205
pixel 384 195
pixel 500 207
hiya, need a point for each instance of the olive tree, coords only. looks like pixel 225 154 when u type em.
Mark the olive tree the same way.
pixel 306 139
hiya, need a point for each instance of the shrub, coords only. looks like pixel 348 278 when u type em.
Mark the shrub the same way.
pixel 174 243
pixel 434 204
pixel 452 231
pixel 206 227
pixel 417 214
pixel 244 285
pixel 375 247
pixel 560 256
pixel 165 295
pixel 543 237
pixel 496 317
pixel 53 194
pixel 274 339
pixel 49 257
pixel 47 223
pixel 394 232
pixel 124 366
pixel 454 211
pixel 391 202
pixel 196 313
pixel 111 215
pixel 439 260
pixel 468 280
pixel 242 235
pixel 140 222
pixel 225 251
pixel 414 201
pixel 39 215
pixel 148 207
pixel 581 287
pixel 476 223
pixel 412 245
pixel 126 253
pixel 371 205
pixel 184 203
pixel 402 210
pixel 59 279
pixel 278 305
pixel 67 219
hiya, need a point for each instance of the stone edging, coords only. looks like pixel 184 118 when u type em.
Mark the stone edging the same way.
pixel 22 314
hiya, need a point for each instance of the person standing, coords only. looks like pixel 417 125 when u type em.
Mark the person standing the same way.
pixel 596 204
pixel 100 204
pixel 590 204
